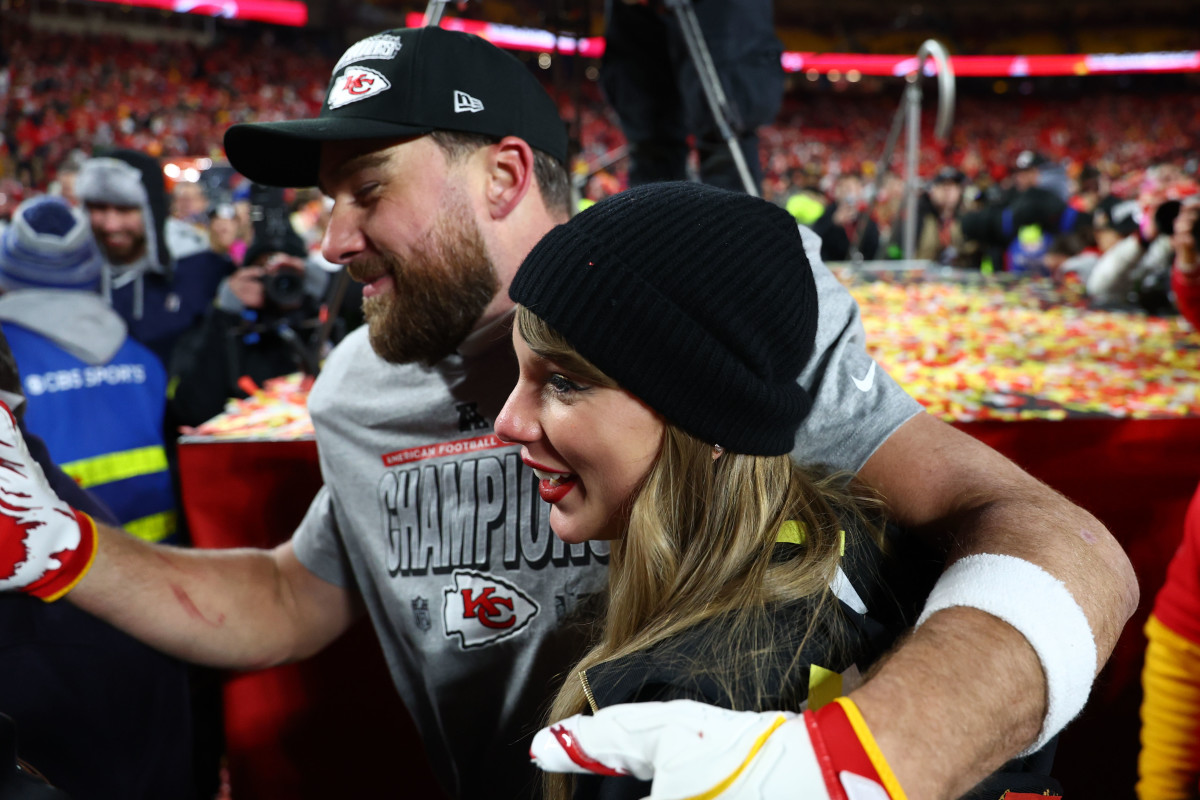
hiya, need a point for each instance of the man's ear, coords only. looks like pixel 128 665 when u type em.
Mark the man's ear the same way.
pixel 510 175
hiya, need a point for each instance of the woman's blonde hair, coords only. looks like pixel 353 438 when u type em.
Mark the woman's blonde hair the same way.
pixel 699 544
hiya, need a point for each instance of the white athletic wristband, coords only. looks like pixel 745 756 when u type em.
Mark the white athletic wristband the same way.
pixel 1039 606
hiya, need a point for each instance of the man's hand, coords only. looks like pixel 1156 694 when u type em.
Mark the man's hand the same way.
pixel 45 545
pixel 693 750
pixel 247 286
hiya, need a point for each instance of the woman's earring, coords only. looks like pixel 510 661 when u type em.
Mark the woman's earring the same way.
pixel 717 450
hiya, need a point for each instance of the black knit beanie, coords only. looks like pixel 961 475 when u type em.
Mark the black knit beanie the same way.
pixel 699 301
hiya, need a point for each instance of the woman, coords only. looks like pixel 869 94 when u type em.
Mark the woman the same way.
pixel 657 404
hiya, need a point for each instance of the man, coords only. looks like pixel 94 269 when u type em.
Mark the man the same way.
pixel 223 229
pixel 96 396
pixel 100 714
pixel 432 524
pixel 189 204
pixel 265 322
pixel 937 213
pixel 158 294
pixel 838 223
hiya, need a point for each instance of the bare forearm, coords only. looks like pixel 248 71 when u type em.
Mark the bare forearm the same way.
pixel 953 703
pixel 222 608
pixel 971 686
pixel 1037 524
pixel 966 691
pixel 965 498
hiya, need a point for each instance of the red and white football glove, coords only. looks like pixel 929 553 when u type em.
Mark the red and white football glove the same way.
pixel 691 751
pixel 45 545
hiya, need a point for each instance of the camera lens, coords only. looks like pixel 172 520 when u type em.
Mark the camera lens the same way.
pixel 285 288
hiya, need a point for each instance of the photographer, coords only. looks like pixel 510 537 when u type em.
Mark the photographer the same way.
pixel 1135 273
pixel 265 321
pixel 838 225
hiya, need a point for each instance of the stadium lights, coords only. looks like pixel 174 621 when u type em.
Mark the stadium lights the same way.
pixel 535 40
pixel 279 12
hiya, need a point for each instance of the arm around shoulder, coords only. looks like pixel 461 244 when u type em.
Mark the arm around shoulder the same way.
pixel 966 691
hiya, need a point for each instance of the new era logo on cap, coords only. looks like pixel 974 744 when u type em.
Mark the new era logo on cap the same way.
pixel 356 83
pixel 464 102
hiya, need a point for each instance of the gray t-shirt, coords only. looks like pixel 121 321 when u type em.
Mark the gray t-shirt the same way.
pixel 437 524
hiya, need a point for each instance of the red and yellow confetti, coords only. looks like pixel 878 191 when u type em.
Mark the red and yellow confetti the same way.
pixel 992 351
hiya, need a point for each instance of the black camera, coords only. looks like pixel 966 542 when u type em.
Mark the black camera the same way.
pixel 284 289
pixel 1164 218
pixel 273 233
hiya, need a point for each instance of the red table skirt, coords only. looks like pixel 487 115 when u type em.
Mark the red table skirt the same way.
pixel 1137 477
pixel 331 726
pixel 335 723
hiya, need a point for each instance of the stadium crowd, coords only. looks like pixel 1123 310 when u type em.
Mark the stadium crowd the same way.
pixel 1083 188
pixel 67 96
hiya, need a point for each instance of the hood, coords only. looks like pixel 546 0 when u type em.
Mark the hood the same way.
pixel 108 178
pixel 79 322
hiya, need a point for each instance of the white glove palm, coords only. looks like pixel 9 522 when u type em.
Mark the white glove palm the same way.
pixel 691 750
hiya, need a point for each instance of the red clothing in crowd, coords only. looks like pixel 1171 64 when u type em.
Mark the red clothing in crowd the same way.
pixel 1186 286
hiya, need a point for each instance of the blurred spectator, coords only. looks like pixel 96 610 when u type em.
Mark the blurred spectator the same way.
pixel 241 209
pixel 158 296
pixel 888 214
pixel 1071 256
pixel 100 715
pixel 1113 219
pixel 1090 187
pixel 1027 170
pixel 96 396
pixel 1016 237
pixel 1135 272
pixel 187 224
pixel 807 202
pixel 223 230
pixel 12 192
pixel 64 181
pixel 1023 174
pixel 937 216
pixel 266 321
pixel 189 203
pixel 838 223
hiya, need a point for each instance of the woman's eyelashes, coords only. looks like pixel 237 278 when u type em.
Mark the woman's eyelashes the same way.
pixel 562 387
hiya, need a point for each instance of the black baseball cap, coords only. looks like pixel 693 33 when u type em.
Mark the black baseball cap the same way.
pixel 1122 216
pixel 1030 159
pixel 948 175
pixel 401 83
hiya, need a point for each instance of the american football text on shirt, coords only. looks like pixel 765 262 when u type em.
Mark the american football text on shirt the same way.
pixel 469 510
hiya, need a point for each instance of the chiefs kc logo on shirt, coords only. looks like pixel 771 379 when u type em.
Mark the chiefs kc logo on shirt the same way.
pixel 482 609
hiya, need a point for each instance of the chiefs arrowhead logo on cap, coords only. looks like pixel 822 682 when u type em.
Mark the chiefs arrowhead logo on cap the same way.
pixel 356 83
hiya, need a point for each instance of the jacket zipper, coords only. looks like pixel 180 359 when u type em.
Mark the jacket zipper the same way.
pixel 587 690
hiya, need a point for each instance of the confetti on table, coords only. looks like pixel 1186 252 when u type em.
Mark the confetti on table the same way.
pixel 278 410
pixel 1015 351
pixel 983 350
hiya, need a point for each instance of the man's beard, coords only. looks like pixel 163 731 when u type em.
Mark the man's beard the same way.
pixel 124 254
pixel 440 293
